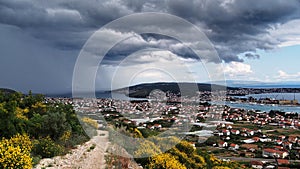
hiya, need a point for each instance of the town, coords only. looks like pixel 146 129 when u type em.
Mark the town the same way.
pixel 260 139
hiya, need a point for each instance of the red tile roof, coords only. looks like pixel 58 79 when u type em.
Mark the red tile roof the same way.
pixel 256 163
pixel 283 161
pixel 270 150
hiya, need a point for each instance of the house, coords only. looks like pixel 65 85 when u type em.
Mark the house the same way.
pixel 270 152
pixel 229 126
pixel 235 132
pixel 248 141
pixel 249 154
pixel 234 146
pixel 270 166
pixel 127 121
pixel 287 145
pixel 256 139
pixel 293 139
pixel 266 140
pixel 227 138
pixel 157 126
pixel 283 168
pixel 250 132
pixel 257 164
pixel 222 144
pixel 219 134
pixel 244 134
pixel 279 142
pixel 282 137
pixel 298 141
pixel 250 147
pixel 226 132
pixel 283 162
pixel 223 125
pixel 278 147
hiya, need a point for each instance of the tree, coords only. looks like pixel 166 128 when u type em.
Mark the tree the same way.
pixel 54 124
pixel 212 140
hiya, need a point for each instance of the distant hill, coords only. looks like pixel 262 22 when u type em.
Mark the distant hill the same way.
pixel 143 90
pixel 4 90
pixel 259 84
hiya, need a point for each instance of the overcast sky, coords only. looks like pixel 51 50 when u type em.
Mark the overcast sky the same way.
pixel 41 40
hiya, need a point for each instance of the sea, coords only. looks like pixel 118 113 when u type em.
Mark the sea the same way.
pixel 248 106
pixel 278 96
pixel 115 95
pixel 264 107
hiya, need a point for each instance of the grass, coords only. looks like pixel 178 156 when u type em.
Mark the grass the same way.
pixel 286 132
pixel 248 126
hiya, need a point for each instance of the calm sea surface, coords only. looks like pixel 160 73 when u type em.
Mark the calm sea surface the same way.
pixel 278 96
pixel 234 104
pixel 114 95
pixel 264 107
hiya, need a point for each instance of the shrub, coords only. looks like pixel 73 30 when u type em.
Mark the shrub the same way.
pixel 47 148
pixel 15 152
pixel 166 161
pixel 91 122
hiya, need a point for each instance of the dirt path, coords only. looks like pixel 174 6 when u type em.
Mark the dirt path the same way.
pixel 84 156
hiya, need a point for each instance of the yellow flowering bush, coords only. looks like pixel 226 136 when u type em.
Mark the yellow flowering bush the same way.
pixel 188 160
pixel 215 160
pixel 15 152
pixel 165 161
pixel 147 149
pixel 90 122
pixel 66 136
pixel 38 105
pixel 165 143
pixel 220 167
pixel 21 113
pixel 185 147
pixel 137 133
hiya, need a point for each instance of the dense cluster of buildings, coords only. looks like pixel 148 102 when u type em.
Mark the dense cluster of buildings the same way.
pixel 158 115
pixel 270 135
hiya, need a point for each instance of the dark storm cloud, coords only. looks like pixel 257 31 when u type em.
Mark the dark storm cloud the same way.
pixel 28 64
pixel 68 24
pixel 65 24
pixel 54 28
pixel 252 56
pixel 236 24
pixel 146 41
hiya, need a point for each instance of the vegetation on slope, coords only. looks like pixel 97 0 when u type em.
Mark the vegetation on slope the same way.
pixel 49 128
pixel 183 155
pixel 156 152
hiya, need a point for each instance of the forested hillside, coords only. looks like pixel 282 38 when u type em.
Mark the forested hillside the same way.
pixel 32 129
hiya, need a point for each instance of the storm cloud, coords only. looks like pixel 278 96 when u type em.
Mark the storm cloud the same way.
pixel 55 31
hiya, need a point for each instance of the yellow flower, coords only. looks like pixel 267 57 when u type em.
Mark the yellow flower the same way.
pixel 15 152
pixel 90 122
pixel 166 161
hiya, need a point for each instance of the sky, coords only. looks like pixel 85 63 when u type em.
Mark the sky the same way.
pixel 41 42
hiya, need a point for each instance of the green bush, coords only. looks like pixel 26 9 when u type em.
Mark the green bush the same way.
pixel 47 148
